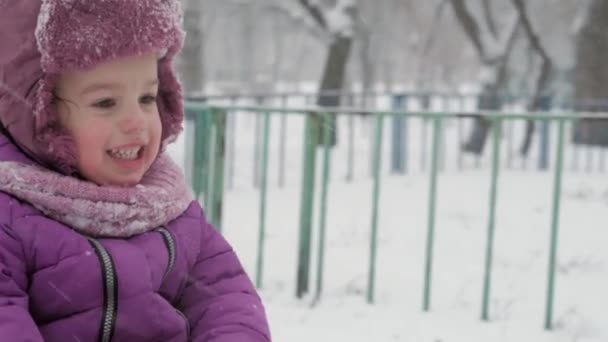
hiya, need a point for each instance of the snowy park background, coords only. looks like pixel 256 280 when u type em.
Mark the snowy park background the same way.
pixel 489 49
pixel 519 278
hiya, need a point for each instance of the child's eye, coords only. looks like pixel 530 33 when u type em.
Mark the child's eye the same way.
pixel 148 99
pixel 104 104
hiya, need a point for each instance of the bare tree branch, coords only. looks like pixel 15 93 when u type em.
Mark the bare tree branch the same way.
pixel 580 19
pixel 315 12
pixel 504 60
pixel 487 11
pixel 547 63
pixel 469 25
pixel 364 35
pixel 496 49
pixel 543 77
pixel 430 39
pixel 299 19
pixel 192 59
pixel 352 11
pixel 434 26
pixel 532 36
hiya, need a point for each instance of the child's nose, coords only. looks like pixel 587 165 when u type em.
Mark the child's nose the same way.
pixel 134 121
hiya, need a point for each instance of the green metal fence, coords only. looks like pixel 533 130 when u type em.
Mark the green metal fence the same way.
pixel 208 183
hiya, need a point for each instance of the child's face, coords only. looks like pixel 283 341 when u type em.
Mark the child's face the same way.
pixel 112 115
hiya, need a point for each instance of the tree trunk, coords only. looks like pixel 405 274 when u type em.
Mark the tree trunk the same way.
pixel 333 81
pixel 488 100
pixel 367 70
pixel 495 64
pixel 591 75
pixel 190 64
pixel 192 54
pixel 539 99
pixel 248 60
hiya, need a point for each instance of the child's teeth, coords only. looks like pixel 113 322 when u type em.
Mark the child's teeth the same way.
pixel 125 154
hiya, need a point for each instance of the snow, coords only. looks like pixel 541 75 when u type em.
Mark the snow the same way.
pixel 339 21
pixel 521 246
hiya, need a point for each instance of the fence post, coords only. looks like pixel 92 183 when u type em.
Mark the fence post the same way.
pixel 259 101
pixel 399 137
pixel 263 186
pixel 557 186
pixel 462 108
pixel 200 171
pixel 496 125
pixel 282 142
pixel 231 148
pixel 350 154
pixel 377 157
pixel 428 270
pixel 190 146
pixel 311 139
pixel 602 159
pixel 323 204
pixel 210 166
pixel 350 160
pixel 425 99
pixel 443 150
pixel 217 199
pixel 510 128
pixel 576 148
pixel 545 130
pixel 589 155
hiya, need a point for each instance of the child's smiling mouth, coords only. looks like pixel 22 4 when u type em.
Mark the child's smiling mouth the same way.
pixel 131 153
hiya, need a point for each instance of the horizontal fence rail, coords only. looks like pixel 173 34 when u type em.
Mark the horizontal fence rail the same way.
pixel 588 156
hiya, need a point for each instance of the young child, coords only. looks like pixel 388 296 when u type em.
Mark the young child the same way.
pixel 100 239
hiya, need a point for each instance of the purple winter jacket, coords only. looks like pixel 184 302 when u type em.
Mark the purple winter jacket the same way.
pixel 184 283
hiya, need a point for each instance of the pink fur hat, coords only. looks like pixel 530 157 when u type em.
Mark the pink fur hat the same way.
pixel 42 38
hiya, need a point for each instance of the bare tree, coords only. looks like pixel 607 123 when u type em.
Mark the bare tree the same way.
pixel 364 34
pixel 192 64
pixel 337 18
pixel 423 60
pixel 590 73
pixel 494 49
pixel 543 76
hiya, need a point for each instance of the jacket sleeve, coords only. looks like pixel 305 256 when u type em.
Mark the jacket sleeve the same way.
pixel 219 299
pixel 16 323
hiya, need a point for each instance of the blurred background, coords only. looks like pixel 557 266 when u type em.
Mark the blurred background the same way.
pixel 240 46
pixel 474 212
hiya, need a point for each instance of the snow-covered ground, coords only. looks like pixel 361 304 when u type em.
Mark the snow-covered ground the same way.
pixel 519 278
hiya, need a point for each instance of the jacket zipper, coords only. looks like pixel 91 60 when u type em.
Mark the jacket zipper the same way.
pixel 170 243
pixel 188 329
pixel 110 291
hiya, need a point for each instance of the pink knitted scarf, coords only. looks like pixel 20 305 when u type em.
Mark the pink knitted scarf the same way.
pixel 101 211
